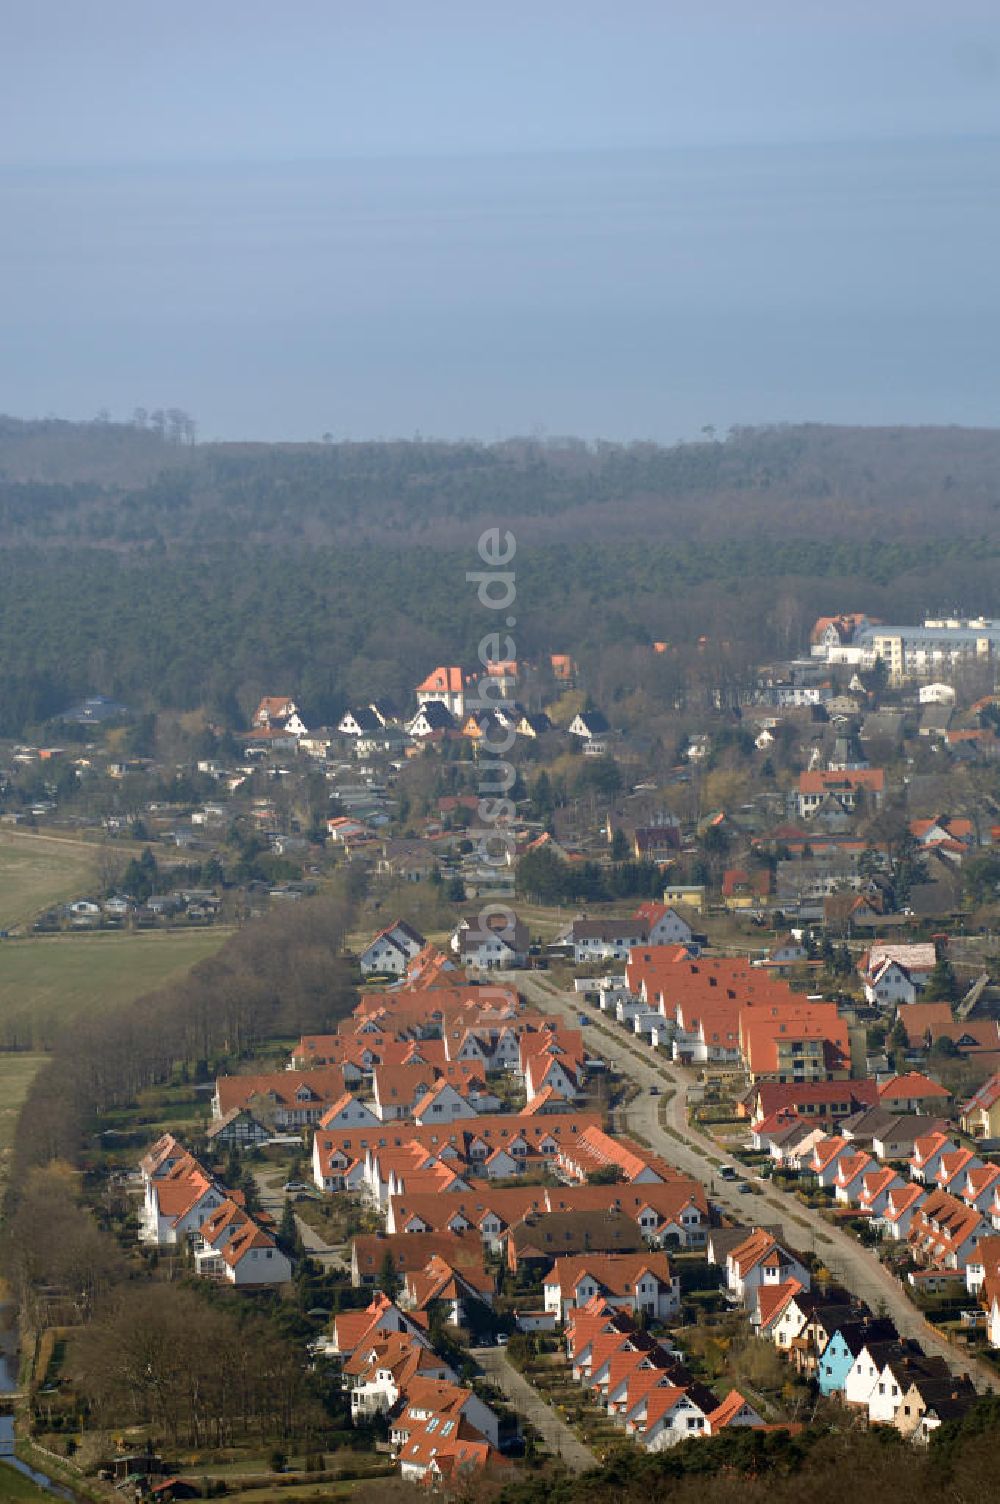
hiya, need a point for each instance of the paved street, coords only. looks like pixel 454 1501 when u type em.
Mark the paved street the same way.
pixel 846 1259
pixel 526 1400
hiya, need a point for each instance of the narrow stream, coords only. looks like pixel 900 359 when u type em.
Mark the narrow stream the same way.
pixel 8 1383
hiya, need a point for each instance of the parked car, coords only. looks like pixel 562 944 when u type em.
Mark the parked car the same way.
pixel 294 1185
pixel 654 1091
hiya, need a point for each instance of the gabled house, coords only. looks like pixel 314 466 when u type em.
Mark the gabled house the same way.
pixel 490 942
pixel 930 1401
pixel 761 1260
pixel 842 1350
pixel 279 713
pixel 900 1205
pixel 898 1376
pixel 590 725
pixel 348 1112
pixel 851 1170
pixel 392 949
pixel 980 1115
pixel 944 1232
pixel 637 1282
pixel 894 974
pixel 445 686
pixel 432 719
pixel 927 1155
pixel 442 1104
pixel 877 1184
pixel 362 722
pixel 251 1257
pixel 863 1376
pixel 823 1163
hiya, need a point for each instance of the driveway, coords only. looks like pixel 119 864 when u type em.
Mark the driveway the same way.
pixel 272 1200
pixel 526 1400
pixel 850 1263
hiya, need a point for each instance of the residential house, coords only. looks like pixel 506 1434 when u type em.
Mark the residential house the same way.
pixel 898 1376
pixel 392 949
pixel 432 719
pixel 846 786
pixel 851 1170
pixel 489 941
pixel 894 974
pixel 913 1092
pixel 980 1115
pixel 927 1153
pixel 291 1100
pixel 944 1232
pixel 445 686
pixel 442 1104
pixel 238 1129
pixel 761 1260
pixel 865 1372
pixel 901 1205
pixel 930 1401
pixel 637 1282
pixel 844 1347
pixel 590 726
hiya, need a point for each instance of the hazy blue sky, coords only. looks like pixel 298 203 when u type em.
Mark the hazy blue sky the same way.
pixel 379 218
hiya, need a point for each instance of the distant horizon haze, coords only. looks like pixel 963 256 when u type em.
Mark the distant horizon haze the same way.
pixel 475 221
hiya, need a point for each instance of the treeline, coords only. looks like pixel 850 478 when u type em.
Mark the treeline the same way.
pixel 120 484
pixel 280 975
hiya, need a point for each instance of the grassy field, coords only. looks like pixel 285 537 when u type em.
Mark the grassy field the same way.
pixel 46 981
pixel 37 872
pixel 16 1487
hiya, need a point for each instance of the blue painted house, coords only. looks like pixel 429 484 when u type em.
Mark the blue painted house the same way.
pixel 837 1358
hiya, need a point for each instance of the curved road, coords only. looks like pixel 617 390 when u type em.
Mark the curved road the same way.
pixel 693 1152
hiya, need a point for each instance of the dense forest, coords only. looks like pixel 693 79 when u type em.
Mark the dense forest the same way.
pixel 172 575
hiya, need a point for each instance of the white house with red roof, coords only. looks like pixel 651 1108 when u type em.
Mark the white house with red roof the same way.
pixel 953 1168
pixel 442 1104
pixel 392 949
pixel 926 1157
pixel 279 713
pixel 913 1092
pixel 900 1205
pixel 894 974
pixel 761 1260
pixel 943 1231
pixel 252 1257
pixel 348 1112
pixel 445 685
pixel 851 1169
pixel 637 1282
pixel 877 1184
pixel 980 1187
pixel 671 1415
pixel 823 1160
